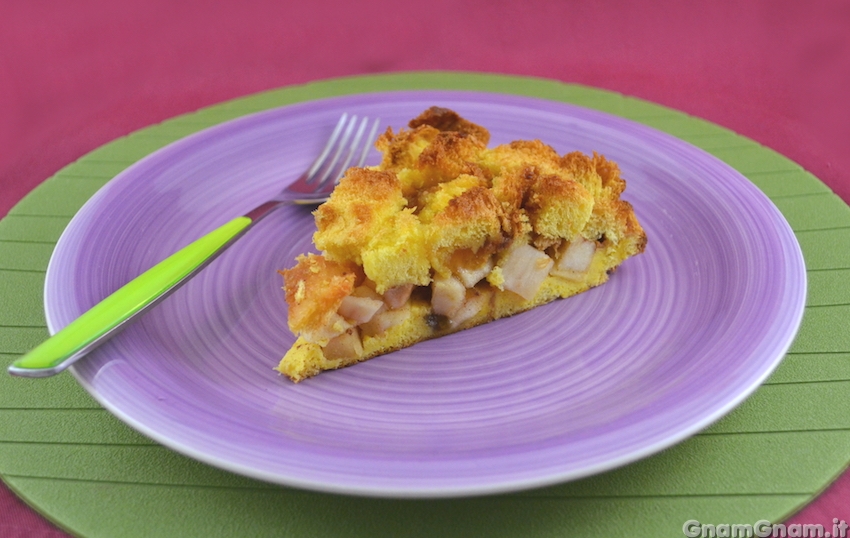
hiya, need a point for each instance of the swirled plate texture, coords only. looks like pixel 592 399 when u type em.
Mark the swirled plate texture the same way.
pixel 679 336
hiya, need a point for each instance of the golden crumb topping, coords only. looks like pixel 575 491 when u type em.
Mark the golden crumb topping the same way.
pixel 444 212
pixel 315 288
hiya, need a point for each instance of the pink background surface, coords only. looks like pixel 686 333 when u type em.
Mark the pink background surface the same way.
pixel 74 76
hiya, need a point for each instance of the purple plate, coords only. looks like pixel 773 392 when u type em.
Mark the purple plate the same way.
pixel 677 338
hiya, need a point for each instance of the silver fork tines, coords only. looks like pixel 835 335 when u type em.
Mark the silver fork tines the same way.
pixel 348 145
pixel 340 145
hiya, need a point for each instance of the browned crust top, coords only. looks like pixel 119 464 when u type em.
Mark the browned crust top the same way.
pixel 441 189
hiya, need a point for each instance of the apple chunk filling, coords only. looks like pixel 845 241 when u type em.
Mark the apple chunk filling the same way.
pixel 446 234
pixel 347 345
pixel 397 296
pixel 574 259
pixel 524 269
pixel 359 309
pixel 452 300
pixel 455 298
pixel 447 296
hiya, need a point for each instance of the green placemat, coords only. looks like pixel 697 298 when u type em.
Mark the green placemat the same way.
pixel 94 476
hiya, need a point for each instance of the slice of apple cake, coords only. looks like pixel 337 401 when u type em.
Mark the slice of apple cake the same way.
pixel 446 234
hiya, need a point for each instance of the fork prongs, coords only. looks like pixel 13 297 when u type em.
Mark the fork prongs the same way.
pixel 348 144
pixel 370 139
pixel 323 155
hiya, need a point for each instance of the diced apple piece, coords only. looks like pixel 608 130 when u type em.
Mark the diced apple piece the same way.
pixel 574 259
pixel 385 320
pixel 366 291
pixel 345 346
pixel 335 326
pixel 397 296
pixel 524 269
pixel 473 305
pixel 471 277
pixel 359 309
pixel 447 295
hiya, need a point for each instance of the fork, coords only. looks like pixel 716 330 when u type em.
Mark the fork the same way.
pixel 347 143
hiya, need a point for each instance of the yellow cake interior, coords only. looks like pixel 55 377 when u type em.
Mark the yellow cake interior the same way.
pixel 446 234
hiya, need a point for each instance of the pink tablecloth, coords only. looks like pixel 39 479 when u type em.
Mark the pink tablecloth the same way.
pixel 74 76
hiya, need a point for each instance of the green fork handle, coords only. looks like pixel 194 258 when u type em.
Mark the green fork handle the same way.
pixel 133 299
